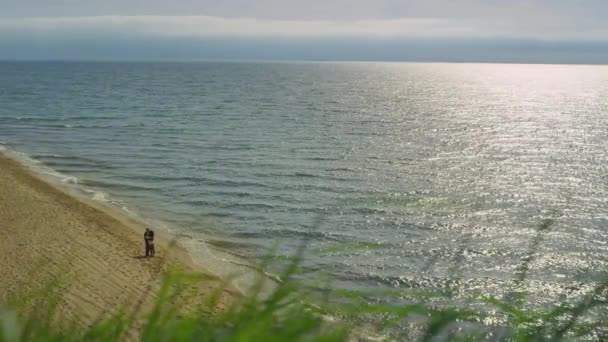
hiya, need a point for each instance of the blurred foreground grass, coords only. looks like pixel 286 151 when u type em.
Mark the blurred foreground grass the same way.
pixel 294 312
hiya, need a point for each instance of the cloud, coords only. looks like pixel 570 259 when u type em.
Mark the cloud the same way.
pixel 459 30
pixel 509 10
pixel 205 26
pixel 208 26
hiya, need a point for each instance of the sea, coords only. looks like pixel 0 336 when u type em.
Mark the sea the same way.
pixel 467 178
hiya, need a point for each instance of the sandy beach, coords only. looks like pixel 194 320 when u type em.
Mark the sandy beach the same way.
pixel 50 237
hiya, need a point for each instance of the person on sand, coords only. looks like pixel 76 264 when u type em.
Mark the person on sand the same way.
pixel 149 239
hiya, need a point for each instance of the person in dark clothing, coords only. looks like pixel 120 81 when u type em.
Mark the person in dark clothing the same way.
pixel 149 239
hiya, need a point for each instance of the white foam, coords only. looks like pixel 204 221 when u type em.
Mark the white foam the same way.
pixel 70 180
pixel 100 196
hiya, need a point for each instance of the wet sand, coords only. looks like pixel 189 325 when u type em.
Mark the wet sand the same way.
pixel 92 253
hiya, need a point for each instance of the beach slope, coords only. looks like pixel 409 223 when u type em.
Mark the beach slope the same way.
pixel 95 255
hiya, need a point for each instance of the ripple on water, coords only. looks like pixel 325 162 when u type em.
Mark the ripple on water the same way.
pixel 449 168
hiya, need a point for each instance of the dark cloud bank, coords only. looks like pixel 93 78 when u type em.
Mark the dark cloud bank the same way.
pixel 304 49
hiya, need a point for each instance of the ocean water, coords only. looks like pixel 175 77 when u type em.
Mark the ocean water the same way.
pixel 430 176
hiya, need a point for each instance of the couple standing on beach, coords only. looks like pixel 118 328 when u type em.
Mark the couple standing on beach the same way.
pixel 149 238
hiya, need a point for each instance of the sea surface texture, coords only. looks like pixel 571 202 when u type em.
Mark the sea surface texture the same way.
pixel 409 176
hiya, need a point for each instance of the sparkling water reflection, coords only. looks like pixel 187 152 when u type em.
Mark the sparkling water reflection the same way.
pixel 422 175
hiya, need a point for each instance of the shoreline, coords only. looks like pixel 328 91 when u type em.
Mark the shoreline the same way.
pixel 48 235
pixel 243 275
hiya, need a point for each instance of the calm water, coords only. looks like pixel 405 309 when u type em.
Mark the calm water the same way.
pixel 393 175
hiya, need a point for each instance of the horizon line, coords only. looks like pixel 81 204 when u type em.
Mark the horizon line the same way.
pixel 282 61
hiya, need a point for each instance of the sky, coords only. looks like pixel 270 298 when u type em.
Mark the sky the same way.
pixel 551 31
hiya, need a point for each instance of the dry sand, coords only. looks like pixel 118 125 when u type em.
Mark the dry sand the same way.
pixel 48 236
